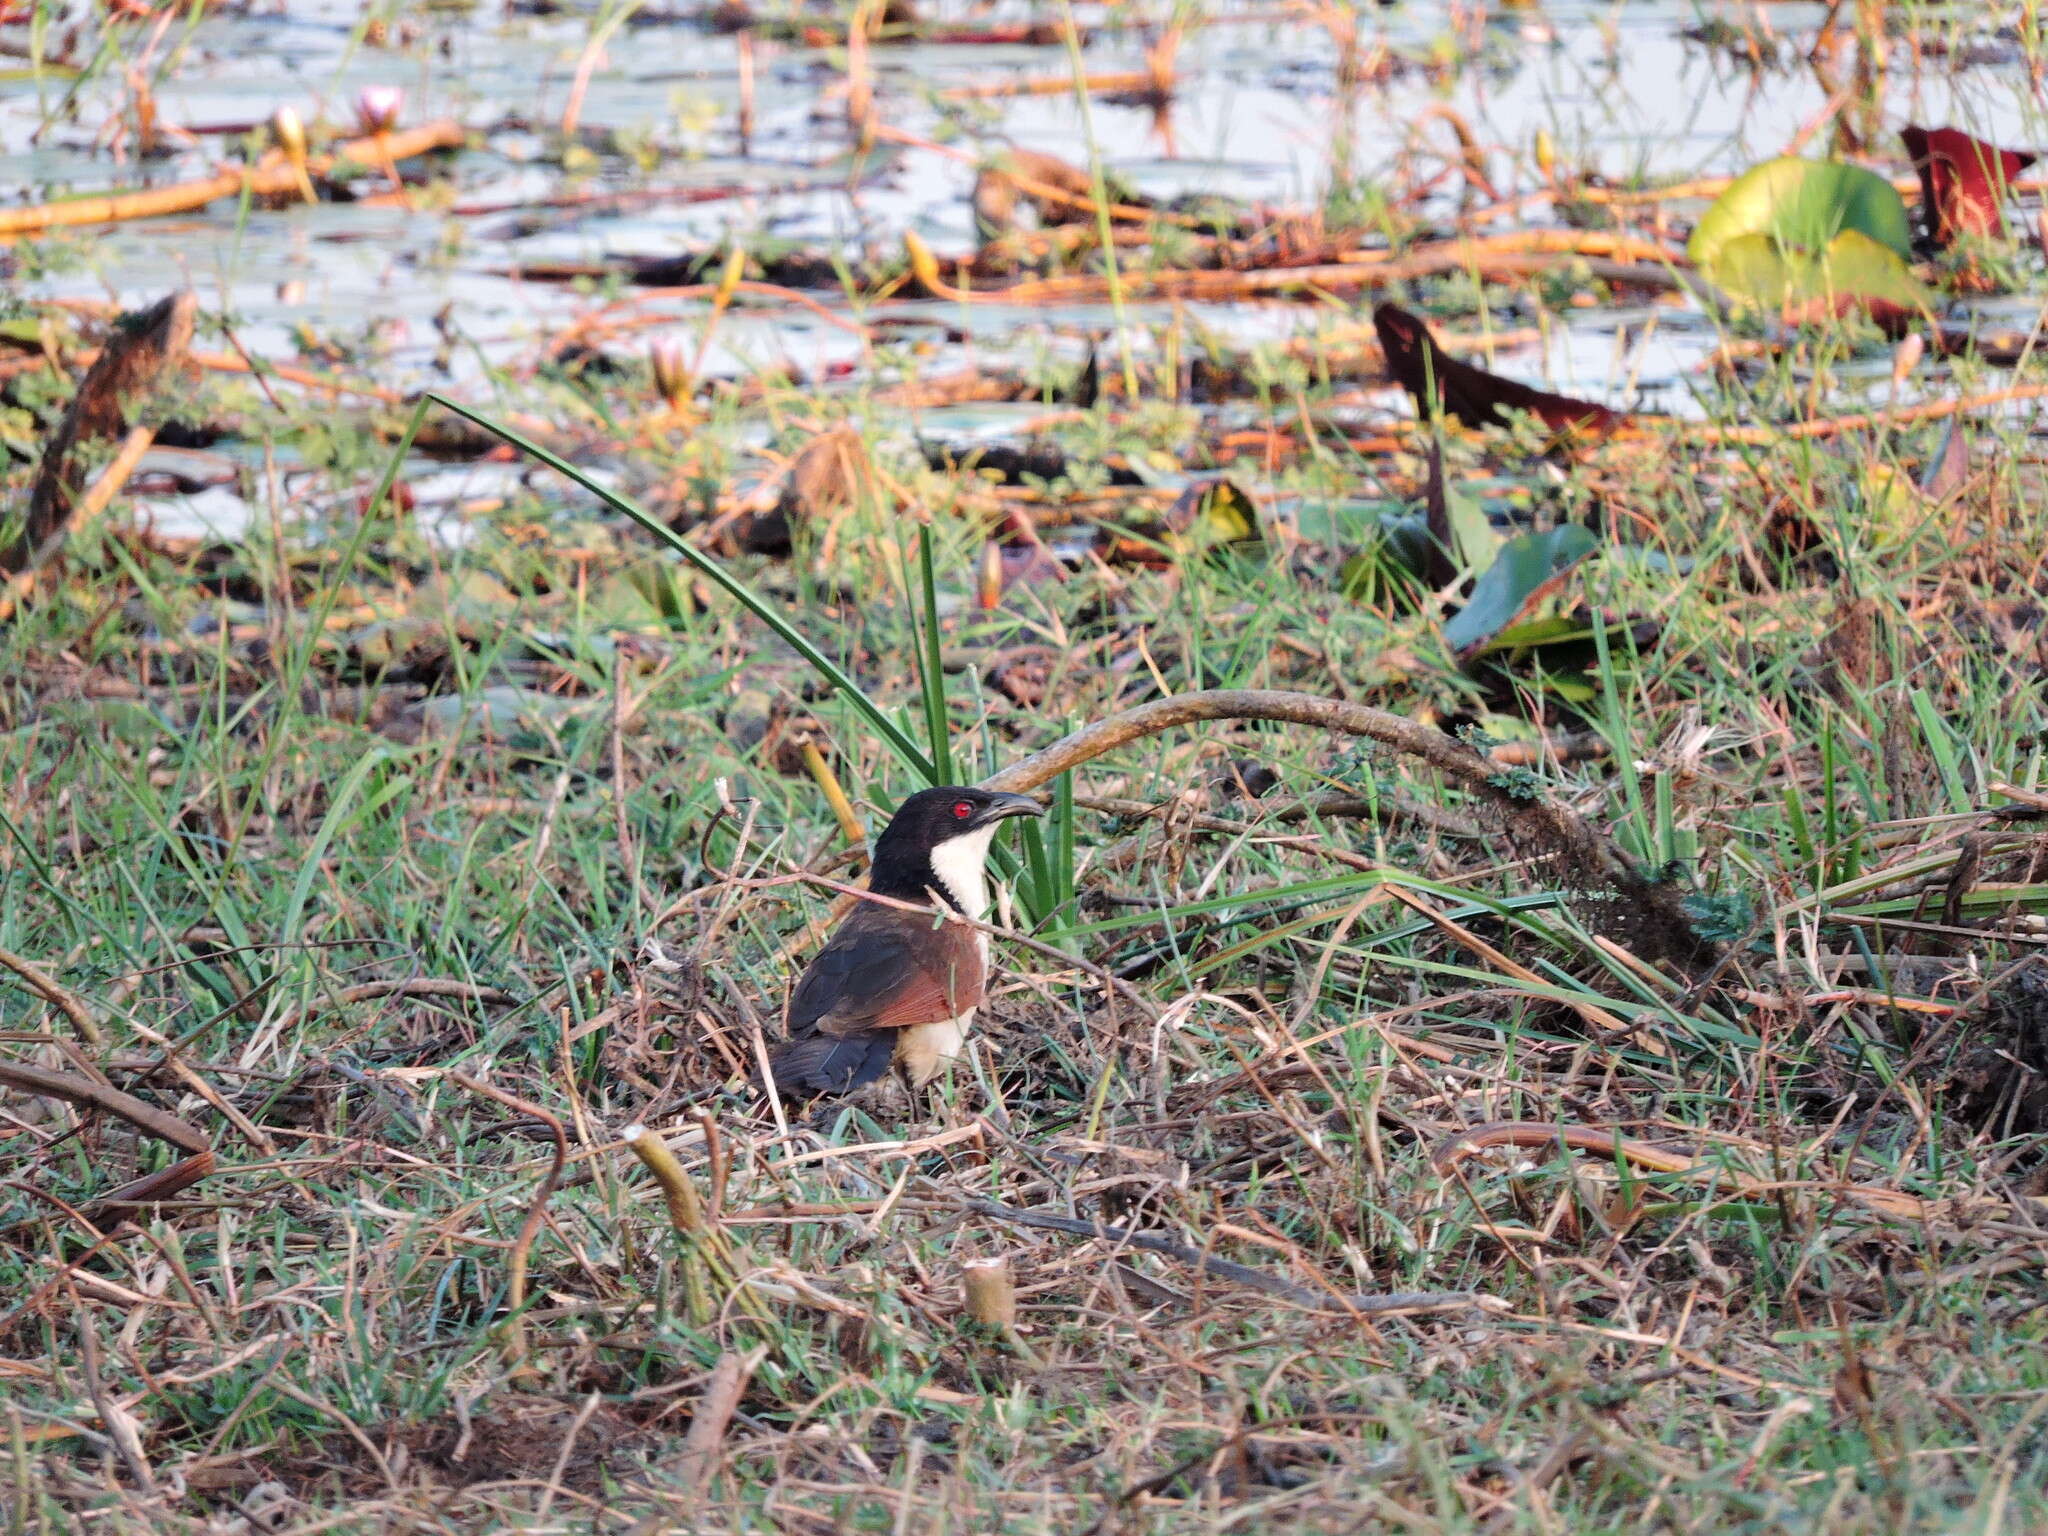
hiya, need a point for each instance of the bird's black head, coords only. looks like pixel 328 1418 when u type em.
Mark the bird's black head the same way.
pixel 938 840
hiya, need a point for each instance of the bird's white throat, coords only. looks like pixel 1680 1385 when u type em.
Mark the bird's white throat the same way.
pixel 960 866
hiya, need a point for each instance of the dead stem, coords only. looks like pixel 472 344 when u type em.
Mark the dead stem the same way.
pixel 522 1246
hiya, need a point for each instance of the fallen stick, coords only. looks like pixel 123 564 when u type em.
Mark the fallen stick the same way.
pixel 1534 242
pixel 227 362
pixel 1926 410
pixel 150 1189
pixel 1224 284
pixel 1535 1135
pixel 102 490
pixel 1907 187
pixel 272 176
pixel 1134 82
pixel 87 1094
pixel 1367 1304
pixel 53 992
pixel 143 348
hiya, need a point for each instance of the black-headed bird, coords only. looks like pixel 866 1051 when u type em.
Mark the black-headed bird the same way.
pixel 893 987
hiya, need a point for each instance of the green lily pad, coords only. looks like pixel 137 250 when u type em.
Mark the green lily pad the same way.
pixel 1811 238
pixel 1802 205
pixel 1213 511
pixel 1854 274
pixel 1529 568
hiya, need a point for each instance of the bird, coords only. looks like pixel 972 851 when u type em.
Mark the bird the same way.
pixel 892 987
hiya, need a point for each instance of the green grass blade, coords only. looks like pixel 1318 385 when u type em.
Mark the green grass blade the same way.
pixel 932 675
pixel 878 719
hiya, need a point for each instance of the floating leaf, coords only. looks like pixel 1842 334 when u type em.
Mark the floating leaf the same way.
pixel 1855 275
pixel 1964 182
pixel 1803 205
pixel 1213 512
pixel 1528 569
pixel 1810 237
pixel 1438 381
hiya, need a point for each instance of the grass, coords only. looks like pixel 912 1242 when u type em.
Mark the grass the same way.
pixel 347 821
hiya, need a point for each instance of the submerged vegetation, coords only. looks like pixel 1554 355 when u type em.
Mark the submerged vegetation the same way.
pixel 1521 593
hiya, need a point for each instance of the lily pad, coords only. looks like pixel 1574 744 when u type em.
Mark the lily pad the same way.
pixel 1855 275
pixel 1528 569
pixel 1803 205
pixel 1213 512
pixel 1811 237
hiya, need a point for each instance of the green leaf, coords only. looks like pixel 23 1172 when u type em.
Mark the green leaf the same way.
pixel 1475 543
pixel 1213 512
pixel 1810 235
pixel 1802 206
pixel 1528 568
pixel 1853 273
pixel 878 718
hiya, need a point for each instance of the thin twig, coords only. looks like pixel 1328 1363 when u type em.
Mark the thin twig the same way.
pixel 62 998
pixel 87 1094
pixel 1642 913
pixel 1364 1303
pixel 522 1246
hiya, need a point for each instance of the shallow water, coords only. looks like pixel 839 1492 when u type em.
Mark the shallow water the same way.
pixel 1256 116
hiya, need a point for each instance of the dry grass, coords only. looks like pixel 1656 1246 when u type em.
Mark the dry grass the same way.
pixel 1350 1166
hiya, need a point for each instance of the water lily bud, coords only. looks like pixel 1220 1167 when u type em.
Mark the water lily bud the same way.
pixel 1906 357
pixel 378 106
pixel 671 370
pixel 729 279
pixel 923 264
pixel 290 134
pixel 1546 154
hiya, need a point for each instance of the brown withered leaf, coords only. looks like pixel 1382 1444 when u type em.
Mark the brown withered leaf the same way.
pixel 1477 398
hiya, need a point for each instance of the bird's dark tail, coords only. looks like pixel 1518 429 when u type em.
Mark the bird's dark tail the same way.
pixel 824 1063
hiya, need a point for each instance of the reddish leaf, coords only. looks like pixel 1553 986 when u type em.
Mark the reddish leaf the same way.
pixel 1474 396
pixel 1963 181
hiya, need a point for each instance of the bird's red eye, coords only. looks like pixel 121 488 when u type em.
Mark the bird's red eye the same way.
pixel 962 809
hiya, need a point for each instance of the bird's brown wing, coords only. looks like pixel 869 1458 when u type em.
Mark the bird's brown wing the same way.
pixel 884 970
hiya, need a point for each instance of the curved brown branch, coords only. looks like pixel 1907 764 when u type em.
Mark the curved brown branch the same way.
pixel 59 997
pixel 273 176
pixel 1636 912
pixel 87 1094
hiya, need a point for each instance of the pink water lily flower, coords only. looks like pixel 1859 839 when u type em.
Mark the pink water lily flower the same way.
pixel 378 106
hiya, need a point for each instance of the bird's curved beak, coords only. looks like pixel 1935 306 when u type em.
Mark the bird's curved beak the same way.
pixel 1003 807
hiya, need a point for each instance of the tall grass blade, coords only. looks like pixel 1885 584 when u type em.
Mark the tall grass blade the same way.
pixel 898 740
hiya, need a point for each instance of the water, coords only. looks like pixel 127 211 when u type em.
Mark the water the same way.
pixel 1256 116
